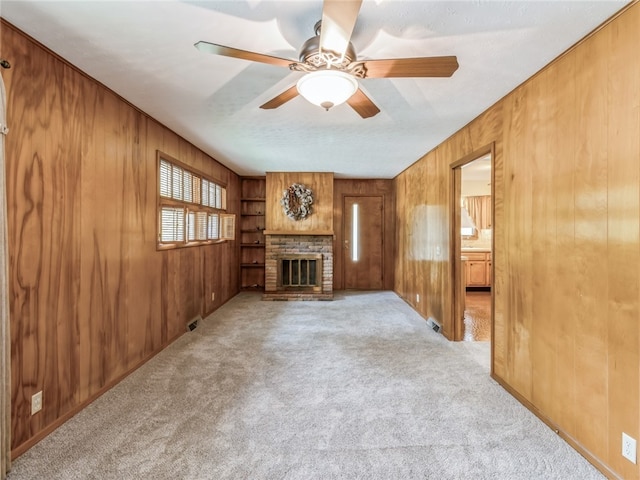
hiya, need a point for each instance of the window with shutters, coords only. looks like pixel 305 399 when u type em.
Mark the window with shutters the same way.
pixel 191 207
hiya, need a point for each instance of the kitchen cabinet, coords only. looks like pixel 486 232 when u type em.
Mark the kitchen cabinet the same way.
pixel 478 268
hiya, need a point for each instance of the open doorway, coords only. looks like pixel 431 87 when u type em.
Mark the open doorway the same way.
pixel 472 246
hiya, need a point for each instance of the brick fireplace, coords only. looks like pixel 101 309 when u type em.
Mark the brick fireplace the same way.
pixel 298 262
pixel 298 267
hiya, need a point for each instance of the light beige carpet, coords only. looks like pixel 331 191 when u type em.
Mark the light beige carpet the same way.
pixel 357 388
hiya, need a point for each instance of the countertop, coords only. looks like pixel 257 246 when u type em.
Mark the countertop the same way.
pixel 475 249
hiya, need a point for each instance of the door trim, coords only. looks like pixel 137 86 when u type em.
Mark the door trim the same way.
pixel 455 242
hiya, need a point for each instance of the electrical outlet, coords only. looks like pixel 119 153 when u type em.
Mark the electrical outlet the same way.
pixel 629 447
pixel 36 402
pixel 417 298
pixel 213 296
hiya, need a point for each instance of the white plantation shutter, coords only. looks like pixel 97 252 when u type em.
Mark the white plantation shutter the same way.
pixel 205 192
pixel 176 180
pixel 201 225
pixel 212 194
pixel 191 226
pixel 218 196
pixel 165 179
pixel 187 188
pixel 172 224
pixel 197 184
pixel 187 216
pixel 228 226
pixel 213 230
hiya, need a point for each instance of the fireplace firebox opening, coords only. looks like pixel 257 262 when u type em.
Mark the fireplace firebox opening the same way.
pixel 300 272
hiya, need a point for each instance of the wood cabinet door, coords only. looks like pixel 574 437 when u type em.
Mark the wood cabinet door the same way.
pixel 363 244
pixel 476 273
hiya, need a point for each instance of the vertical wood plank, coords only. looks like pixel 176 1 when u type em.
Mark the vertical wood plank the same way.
pixel 517 235
pixel 563 278
pixel 111 268
pixel 543 242
pixel 24 202
pixel 590 182
pixel 623 237
pixel 90 333
pixel 155 331
pixel 64 149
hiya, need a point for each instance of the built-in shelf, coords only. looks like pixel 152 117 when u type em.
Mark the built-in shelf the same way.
pixel 252 243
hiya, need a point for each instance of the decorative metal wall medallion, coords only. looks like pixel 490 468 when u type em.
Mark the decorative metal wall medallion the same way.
pixel 296 201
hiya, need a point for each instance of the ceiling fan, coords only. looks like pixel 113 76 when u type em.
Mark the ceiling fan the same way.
pixel 331 66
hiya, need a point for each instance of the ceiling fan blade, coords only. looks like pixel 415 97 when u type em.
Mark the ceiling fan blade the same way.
pixel 242 54
pixel 281 99
pixel 363 104
pixel 411 67
pixel 338 19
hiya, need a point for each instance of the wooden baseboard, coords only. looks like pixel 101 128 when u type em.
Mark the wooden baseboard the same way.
pixel 592 459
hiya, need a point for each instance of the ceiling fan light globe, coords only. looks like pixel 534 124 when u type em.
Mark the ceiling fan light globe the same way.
pixel 327 88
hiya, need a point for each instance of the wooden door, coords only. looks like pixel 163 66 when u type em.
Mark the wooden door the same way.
pixel 363 242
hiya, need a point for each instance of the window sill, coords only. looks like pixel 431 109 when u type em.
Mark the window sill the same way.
pixel 173 246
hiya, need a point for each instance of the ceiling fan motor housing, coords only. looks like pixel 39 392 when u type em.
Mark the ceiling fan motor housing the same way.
pixel 311 54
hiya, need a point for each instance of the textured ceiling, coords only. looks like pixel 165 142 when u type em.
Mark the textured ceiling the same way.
pixel 144 52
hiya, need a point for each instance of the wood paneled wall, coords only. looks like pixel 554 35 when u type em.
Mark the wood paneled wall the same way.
pixel 322 218
pixel 91 298
pixel 377 187
pixel 566 237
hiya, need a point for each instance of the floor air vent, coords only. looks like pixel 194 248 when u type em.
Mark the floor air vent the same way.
pixel 434 325
pixel 191 326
